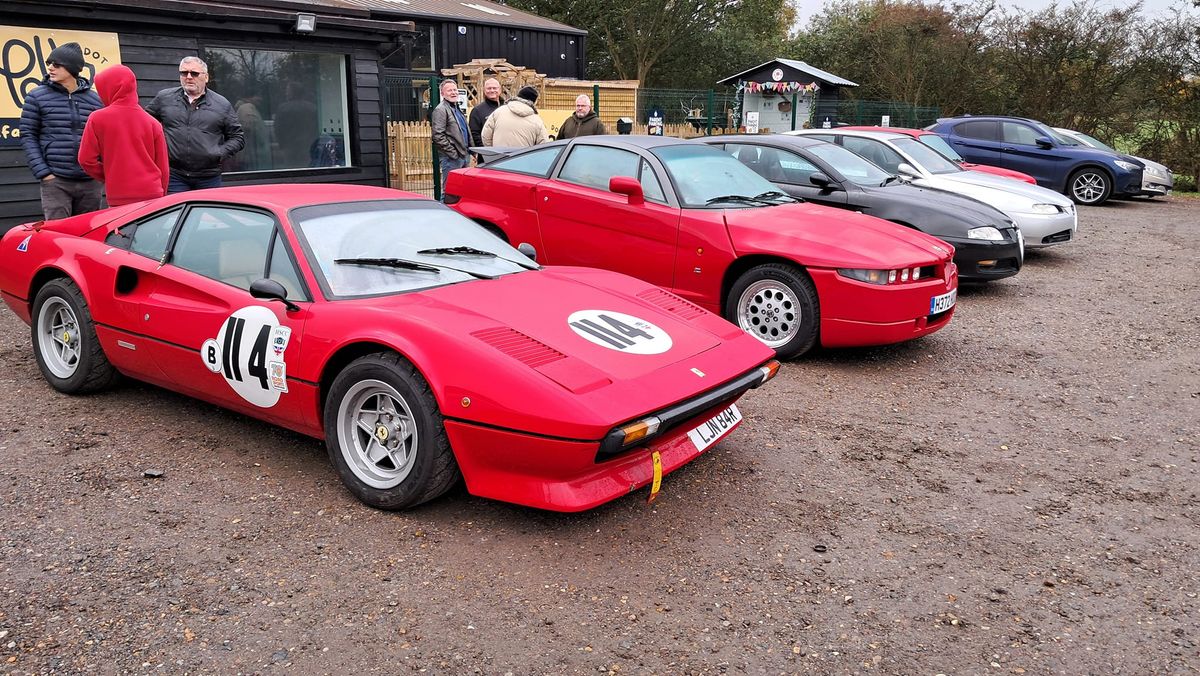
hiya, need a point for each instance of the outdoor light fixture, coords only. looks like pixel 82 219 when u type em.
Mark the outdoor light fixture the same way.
pixel 306 23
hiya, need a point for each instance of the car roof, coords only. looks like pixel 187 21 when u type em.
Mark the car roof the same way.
pixel 881 134
pixel 631 140
pixel 284 196
pixel 778 140
pixel 895 130
pixel 958 118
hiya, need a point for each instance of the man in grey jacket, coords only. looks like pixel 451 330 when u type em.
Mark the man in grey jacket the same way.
pixel 450 132
pixel 201 126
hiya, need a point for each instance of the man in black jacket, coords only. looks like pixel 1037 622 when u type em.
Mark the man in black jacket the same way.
pixel 479 114
pixel 52 120
pixel 201 126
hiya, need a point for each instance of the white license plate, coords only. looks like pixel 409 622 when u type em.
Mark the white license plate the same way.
pixel 943 302
pixel 710 431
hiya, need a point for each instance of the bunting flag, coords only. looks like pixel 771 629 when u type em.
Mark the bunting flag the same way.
pixel 782 87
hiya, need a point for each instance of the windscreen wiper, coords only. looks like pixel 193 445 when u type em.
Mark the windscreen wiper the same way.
pixel 735 198
pixel 471 251
pixel 408 265
pixel 764 196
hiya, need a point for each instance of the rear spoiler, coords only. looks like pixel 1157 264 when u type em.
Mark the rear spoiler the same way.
pixel 489 154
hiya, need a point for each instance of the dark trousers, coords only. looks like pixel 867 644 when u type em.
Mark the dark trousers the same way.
pixel 182 184
pixel 63 197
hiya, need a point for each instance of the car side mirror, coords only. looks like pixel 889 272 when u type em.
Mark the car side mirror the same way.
pixel 527 251
pixel 822 181
pixel 1044 142
pixel 269 289
pixel 906 170
pixel 624 185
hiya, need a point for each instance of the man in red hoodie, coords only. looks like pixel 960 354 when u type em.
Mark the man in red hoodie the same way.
pixel 122 145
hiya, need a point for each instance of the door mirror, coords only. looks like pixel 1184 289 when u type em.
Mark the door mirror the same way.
pixel 906 170
pixel 822 181
pixel 1044 142
pixel 269 289
pixel 527 251
pixel 625 185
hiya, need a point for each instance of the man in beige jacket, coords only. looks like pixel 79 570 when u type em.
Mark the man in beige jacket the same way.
pixel 516 124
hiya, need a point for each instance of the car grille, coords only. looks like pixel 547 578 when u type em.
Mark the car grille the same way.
pixel 1061 236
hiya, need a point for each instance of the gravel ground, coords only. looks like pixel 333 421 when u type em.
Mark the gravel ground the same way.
pixel 1015 494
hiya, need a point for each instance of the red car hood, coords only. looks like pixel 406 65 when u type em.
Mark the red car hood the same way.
pixel 563 314
pixel 999 171
pixel 820 236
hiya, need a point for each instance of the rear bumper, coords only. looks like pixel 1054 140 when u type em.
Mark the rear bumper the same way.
pixel 562 475
pixel 855 313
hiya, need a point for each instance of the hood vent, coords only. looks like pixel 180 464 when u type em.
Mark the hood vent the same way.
pixel 519 346
pixel 671 303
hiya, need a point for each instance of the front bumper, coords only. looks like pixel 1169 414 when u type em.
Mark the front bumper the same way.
pixel 1042 230
pixel 1156 186
pixel 568 475
pixel 983 261
pixel 856 313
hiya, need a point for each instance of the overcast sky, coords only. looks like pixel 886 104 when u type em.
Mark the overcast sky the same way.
pixel 805 9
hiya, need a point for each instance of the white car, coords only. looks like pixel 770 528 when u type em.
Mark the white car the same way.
pixel 1044 217
pixel 1157 180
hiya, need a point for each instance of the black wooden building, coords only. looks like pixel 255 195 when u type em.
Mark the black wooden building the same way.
pixel 305 76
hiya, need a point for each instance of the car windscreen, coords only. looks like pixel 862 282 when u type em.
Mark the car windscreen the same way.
pixel 702 174
pixel 939 144
pixel 933 161
pixel 850 165
pixel 1092 141
pixel 393 246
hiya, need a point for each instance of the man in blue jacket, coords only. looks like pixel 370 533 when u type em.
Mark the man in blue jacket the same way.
pixel 52 121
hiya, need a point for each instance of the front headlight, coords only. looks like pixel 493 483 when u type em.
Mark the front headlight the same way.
pixel 985 232
pixel 1045 209
pixel 868 276
pixel 1155 172
pixel 1127 166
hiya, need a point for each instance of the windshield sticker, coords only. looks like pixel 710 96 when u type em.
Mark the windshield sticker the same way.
pixel 24 245
pixel 621 332
pixel 239 354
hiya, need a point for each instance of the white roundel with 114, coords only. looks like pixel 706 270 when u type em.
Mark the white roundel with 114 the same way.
pixel 248 354
pixel 619 331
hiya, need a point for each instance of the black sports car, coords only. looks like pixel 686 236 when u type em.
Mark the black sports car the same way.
pixel 987 245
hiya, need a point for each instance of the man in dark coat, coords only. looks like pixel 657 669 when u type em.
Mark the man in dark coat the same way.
pixel 201 126
pixel 585 121
pixel 479 114
pixel 52 121
pixel 450 133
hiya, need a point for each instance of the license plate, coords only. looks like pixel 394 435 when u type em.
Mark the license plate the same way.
pixel 943 302
pixel 710 431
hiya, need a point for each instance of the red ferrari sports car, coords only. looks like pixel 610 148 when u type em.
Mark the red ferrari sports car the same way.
pixel 695 221
pixel 939 144
pixel 418 345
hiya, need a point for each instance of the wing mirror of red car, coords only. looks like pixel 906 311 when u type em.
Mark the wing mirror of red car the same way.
pixel 269 289
pixel 528 251
pixel 624 185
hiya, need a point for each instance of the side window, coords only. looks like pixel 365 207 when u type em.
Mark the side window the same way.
pixel 984 130
pixel 594 165
pixel 874 151
pixel 795 169
pixel 1022 134
pixel 534 162
pixel 651 188
pixel 148 238
pixel 828 138
pixel 225 244
pixel 283 270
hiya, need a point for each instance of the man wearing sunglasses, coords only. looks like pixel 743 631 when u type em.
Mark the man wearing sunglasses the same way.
pixel 52 120
pixel 201 126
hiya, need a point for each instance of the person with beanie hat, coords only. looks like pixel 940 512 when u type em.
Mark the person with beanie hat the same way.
pixel 123 147
pixel 516 124
pixel 52 120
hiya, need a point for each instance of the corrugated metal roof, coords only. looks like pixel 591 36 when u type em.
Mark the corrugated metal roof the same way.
pixel 823 75
pixel 470 11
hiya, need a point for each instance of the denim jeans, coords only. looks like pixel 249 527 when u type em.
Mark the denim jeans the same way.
pixel 181 184
pixel 449 165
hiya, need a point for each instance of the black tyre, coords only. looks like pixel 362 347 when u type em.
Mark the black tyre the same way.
pixel 1089 186
pixel 385 434
pixel 777 304
pixel 65 343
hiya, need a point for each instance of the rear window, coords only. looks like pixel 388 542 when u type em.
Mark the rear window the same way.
pixel 534 163
pixel 984 130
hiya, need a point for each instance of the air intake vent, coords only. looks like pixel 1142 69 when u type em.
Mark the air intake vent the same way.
pixel 671 303
pixel 519 346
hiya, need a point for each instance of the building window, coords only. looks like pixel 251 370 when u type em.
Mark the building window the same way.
pixel 292 106
pixel 417 56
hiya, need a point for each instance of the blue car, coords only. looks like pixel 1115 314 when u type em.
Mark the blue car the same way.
pixel 1087 175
